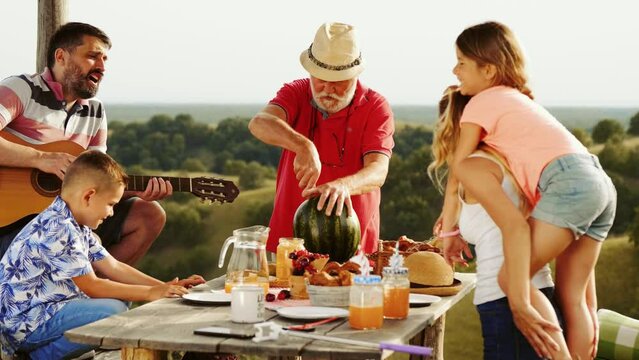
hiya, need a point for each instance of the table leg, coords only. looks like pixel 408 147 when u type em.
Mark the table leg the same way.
pixel 142 354
pixel 432 336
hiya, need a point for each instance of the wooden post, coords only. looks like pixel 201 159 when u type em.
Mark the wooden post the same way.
pixel 432 336
pixel 51 15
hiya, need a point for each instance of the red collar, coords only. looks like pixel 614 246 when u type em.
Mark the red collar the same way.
pixel 56 87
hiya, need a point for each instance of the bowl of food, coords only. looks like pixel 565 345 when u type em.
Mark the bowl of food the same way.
pixel 328 295
pixel 332 285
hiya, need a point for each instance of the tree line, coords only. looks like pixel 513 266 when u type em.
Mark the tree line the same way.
pixel 410 201
pixel 181 143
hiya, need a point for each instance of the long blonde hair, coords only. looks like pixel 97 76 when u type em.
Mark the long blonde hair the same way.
pixel 446 136
pixel 495 44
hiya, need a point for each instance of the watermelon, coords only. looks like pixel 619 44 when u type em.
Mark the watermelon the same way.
pixel 337 236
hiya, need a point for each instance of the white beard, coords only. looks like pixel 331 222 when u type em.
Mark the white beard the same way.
pixel 335 103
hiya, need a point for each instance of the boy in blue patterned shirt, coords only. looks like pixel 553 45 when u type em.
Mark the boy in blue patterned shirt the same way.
pixel 47 277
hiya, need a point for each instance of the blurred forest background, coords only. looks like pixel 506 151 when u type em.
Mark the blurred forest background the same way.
pixel 179 145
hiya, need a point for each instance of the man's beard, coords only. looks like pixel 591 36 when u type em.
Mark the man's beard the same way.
pixel 77 83
pixel 336 102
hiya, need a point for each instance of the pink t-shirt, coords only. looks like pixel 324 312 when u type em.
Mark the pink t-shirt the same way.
pixel 523 131
pixel 363 127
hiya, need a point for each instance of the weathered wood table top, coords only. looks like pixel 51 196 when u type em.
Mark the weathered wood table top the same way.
pixel 168 325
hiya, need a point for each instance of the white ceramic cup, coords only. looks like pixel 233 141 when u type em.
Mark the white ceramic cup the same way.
pixel 247 304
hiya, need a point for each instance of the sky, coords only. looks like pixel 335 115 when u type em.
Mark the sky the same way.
pixel 579 52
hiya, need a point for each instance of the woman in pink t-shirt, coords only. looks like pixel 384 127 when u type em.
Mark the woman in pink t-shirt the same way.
pixel 573 199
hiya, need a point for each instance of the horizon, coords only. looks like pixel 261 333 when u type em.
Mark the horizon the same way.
pixel 422 105
pixel 205 52
pixel 585 117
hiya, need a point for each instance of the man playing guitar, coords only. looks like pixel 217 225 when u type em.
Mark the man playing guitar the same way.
pixel 59 104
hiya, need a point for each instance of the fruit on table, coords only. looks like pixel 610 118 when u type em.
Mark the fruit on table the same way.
pixel 337 236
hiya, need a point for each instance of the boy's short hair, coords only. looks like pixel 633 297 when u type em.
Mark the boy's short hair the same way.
pixel 98 167
pixel 70 35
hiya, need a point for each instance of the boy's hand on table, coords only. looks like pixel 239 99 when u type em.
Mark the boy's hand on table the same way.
pixel 188 282
pixel 166 290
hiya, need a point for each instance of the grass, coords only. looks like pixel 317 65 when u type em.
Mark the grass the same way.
pixel 616 276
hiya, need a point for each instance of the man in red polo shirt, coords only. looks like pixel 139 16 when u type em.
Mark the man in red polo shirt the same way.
pixel 336 135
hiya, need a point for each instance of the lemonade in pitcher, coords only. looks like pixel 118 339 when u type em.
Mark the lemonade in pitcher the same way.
pixel 248 264
pixel 245 278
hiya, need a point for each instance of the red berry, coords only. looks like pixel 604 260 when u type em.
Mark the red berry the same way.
pixel 281 295
pixel 270 297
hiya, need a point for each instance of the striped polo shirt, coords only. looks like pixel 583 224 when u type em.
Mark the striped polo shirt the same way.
pixel 32 107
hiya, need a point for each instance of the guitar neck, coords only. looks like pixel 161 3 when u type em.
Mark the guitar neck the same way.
pixel 140 182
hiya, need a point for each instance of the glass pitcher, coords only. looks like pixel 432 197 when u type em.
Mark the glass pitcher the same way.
pixel 248 264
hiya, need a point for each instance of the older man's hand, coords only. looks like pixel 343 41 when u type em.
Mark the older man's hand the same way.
pixel 334 194
pixel 307 167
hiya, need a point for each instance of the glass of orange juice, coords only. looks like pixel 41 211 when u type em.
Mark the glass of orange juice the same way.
pixel 366 304
pixel 396 292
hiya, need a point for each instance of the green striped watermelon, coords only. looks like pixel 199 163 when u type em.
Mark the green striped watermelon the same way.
pixel 337 236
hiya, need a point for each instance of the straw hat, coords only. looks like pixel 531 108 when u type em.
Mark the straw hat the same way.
pixel 334 54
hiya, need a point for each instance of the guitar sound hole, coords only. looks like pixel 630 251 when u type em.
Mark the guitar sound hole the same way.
pixel 46 184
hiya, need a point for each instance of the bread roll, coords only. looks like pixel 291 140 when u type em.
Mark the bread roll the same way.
pixel 428 269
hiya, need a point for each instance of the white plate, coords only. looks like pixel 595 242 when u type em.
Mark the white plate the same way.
pixel 422 299
pixel 208 297
pixel 311 312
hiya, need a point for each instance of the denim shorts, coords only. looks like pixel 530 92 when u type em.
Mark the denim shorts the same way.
pixel 502 339
pixel 577 194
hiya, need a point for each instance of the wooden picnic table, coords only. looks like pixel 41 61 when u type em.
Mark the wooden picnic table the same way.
pixel 152 330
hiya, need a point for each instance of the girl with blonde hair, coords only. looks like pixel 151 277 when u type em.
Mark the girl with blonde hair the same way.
pixel 501 338
pixel 573 201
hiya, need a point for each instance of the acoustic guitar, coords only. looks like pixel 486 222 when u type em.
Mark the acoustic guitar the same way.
pixel 26 191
